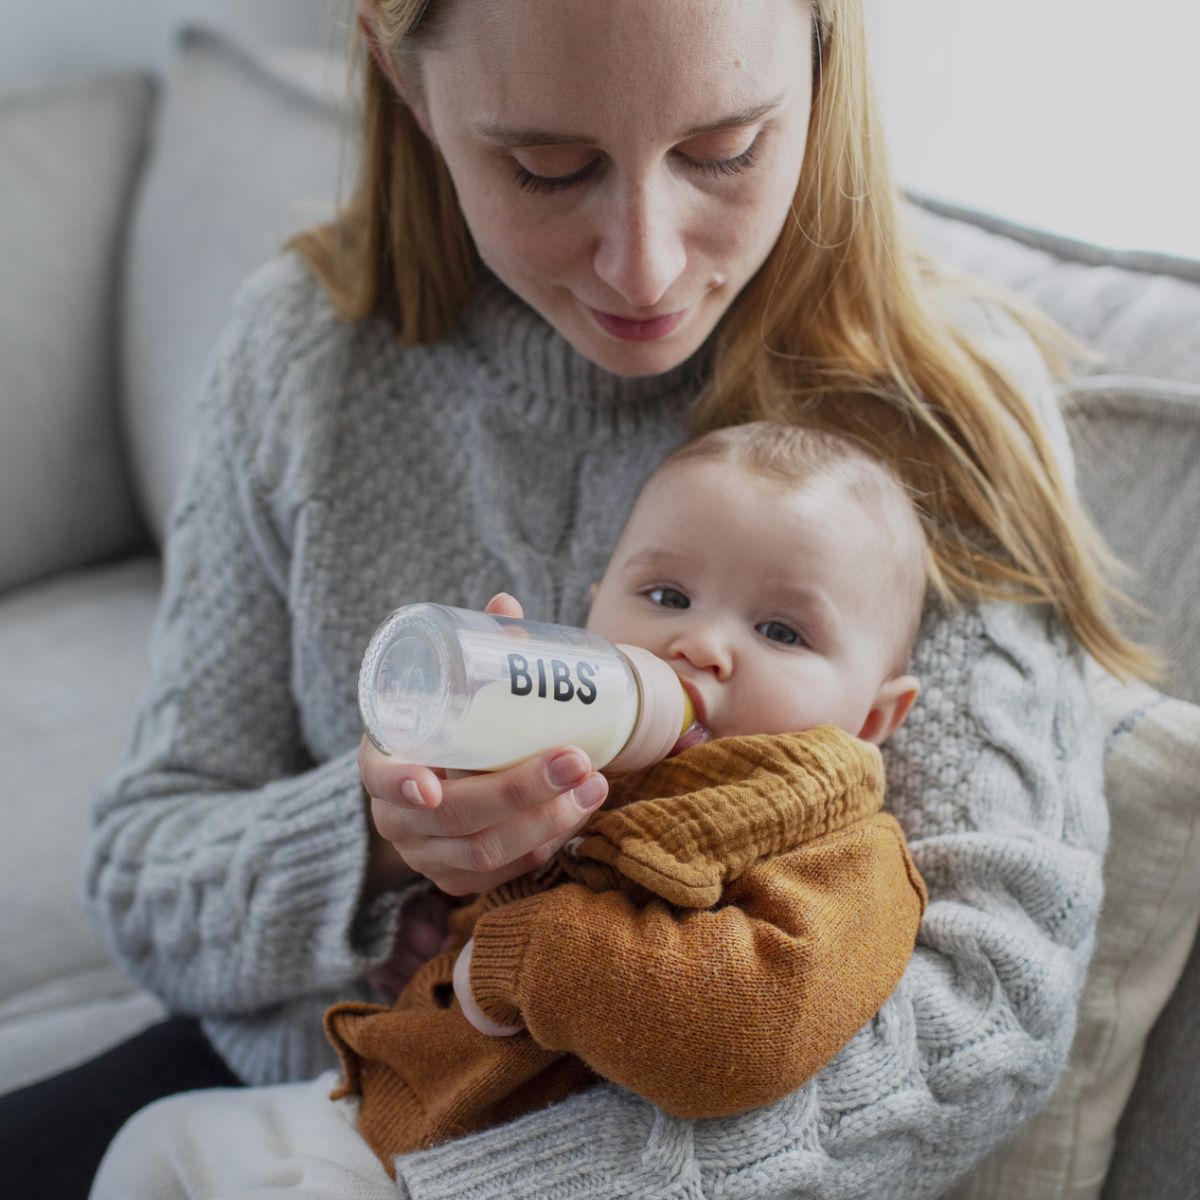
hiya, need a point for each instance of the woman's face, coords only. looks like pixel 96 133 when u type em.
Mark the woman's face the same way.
pixel 624 167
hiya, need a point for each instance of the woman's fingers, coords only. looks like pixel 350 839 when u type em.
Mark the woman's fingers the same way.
pixel 413 786
pixel 474 803
pixel 502 604
pixel 513 846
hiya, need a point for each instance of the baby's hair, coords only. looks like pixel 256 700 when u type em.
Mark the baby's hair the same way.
pixel 796 456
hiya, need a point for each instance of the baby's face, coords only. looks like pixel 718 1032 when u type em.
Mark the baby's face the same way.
pixel 771 603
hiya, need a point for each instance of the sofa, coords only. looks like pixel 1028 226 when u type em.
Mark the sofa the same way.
pixel 130 207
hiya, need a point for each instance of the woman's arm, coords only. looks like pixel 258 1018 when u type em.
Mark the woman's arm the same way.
pixel 225 866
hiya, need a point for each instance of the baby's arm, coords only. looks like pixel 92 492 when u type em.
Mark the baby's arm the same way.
pixel 710 1012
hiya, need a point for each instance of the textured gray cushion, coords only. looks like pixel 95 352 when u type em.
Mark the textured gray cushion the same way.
pixel 70 153
pixel 74 655
pixel 1137 453
pixel 1142 310
pixel 1158 1153
pixel 246 152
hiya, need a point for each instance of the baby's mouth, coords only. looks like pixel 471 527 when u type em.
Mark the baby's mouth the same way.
pixel 694 735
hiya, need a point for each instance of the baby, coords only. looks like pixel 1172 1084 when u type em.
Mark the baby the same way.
pixel 731 917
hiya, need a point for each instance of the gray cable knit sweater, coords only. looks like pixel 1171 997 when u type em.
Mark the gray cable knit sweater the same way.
pixel 337 475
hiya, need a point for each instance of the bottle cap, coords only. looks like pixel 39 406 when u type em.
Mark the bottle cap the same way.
pixel 665 712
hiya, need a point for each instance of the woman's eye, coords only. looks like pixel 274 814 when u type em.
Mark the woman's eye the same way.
pixel 668 597
pixel 777 631
pixel 720 167
pixel 545 184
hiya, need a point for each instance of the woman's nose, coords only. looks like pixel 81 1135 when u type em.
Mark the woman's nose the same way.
pixel 640 252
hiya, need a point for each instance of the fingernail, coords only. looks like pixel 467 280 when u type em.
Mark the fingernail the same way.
pixel 592 792
pixel 411 793
pixel 566 768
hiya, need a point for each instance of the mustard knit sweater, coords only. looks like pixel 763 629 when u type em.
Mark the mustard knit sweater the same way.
pixel 709 946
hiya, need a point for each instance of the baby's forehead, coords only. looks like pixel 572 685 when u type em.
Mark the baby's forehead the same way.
pixel 871 490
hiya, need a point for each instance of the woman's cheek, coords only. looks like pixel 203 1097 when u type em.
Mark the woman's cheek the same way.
pixel 516 242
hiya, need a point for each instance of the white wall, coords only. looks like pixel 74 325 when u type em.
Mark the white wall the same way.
pixel 41 38
pixel 1079 116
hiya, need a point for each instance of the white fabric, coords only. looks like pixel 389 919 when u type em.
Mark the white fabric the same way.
pixel 72 661
pixel 70 152
pixel 246 154
pixel 287 1142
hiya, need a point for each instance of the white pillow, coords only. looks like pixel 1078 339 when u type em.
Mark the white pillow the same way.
pixel 70 153
pixel 1147 926
pixel 248 150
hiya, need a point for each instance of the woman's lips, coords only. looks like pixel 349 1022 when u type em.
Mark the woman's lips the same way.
pixel 630 330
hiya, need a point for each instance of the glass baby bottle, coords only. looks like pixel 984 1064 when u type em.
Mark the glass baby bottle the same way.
pixel 455 688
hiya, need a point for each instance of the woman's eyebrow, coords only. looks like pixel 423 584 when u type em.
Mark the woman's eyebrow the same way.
pixel 513 136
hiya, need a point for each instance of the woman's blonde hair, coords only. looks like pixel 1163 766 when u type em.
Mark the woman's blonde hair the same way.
pixel 845 327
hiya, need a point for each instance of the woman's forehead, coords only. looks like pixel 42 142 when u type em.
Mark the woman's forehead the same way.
pixel 662 63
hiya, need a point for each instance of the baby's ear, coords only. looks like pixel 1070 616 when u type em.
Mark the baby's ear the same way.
pixel 892 704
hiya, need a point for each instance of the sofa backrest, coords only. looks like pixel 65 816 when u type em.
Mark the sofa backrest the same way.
pixel 1134 422
pixel 70 153
pixel 246 152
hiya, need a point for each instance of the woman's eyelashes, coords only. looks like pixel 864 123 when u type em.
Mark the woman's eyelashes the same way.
pixel 529 182
pixel 716 168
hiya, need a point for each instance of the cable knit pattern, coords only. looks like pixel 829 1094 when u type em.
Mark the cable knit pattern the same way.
pixel 338 475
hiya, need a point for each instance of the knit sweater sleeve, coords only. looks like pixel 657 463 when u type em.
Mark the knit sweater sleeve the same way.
pixel 996 779
pixel 225 865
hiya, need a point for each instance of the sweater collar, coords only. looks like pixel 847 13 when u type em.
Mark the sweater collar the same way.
pixel 538 366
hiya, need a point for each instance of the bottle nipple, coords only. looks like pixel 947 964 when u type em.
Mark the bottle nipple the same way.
pixel 689 713
pixel 665 712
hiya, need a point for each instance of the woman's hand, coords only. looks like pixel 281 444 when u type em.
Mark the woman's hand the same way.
pixel 472 833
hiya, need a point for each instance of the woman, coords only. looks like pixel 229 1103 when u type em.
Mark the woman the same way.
pixel 582 231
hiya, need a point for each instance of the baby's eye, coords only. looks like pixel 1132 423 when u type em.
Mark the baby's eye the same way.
pixel 668 597
pixel 777 631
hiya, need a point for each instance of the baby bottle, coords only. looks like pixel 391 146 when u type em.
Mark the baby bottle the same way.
pixel 450 687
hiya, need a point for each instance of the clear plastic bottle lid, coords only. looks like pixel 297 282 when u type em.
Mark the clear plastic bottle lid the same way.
pixel 409 678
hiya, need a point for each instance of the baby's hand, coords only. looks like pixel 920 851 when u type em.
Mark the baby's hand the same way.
pixel 466 998
pixel 472 833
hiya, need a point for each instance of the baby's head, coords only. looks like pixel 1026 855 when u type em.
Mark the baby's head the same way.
pixel 781 573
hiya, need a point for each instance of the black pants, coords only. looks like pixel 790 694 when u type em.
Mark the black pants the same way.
pixel 53 1133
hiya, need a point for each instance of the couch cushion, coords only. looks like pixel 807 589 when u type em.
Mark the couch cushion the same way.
pixel 246 153
pixel 71 152
pixel 1137 455
pixel 74 651
pixel 1141 310
pixel 1146 929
